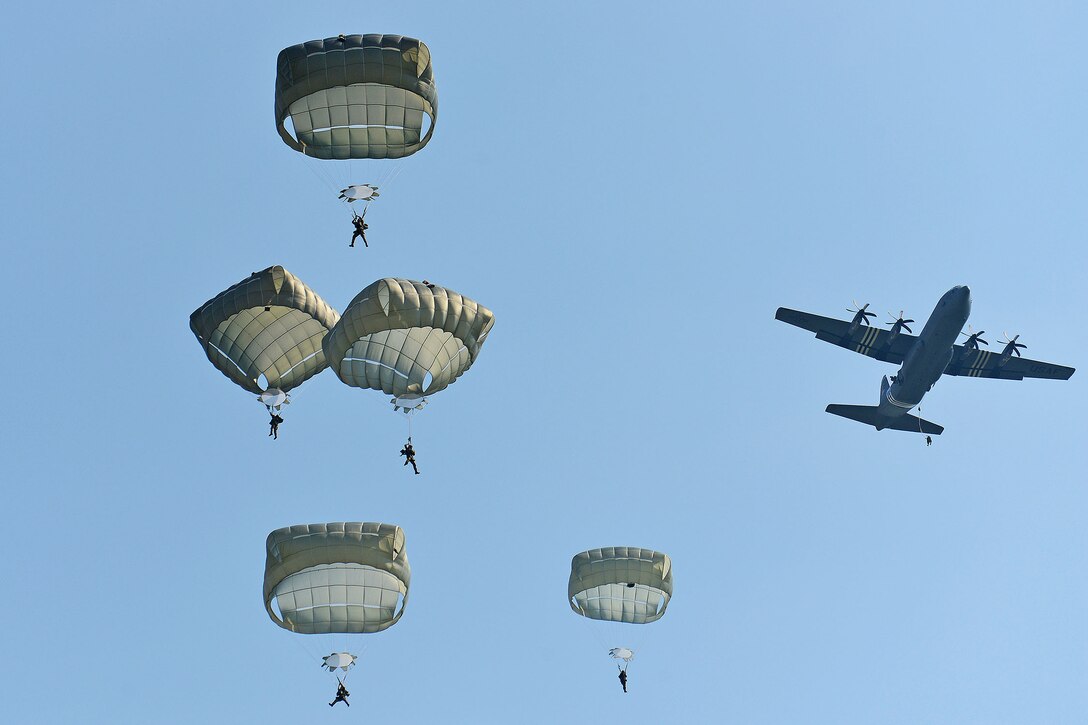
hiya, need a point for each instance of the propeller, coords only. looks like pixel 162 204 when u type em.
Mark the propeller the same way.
pixel 974 338
pixel 861 315
pixel 1011 345
pixel 899 322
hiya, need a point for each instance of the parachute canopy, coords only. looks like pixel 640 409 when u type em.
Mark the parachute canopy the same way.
pixel 336 578
pixel 359 192
pixel 407 338
pixel 274 398
pixel 338 660
pixel 356 96
pixel 621 653
pixel 620 584
pixel 270 324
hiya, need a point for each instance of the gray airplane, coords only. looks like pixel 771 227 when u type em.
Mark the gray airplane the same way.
pixel 924 358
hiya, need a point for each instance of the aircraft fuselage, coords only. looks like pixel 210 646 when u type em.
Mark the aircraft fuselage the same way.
pixel 930 355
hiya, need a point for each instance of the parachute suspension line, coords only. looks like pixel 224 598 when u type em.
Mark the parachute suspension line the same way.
pixel 378 174
pixel 309 653
pixel 332 174
pixel 311 166
pixel 388 178
pixel 596 631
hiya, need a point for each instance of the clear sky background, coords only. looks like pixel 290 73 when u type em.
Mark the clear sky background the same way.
pixel 633 188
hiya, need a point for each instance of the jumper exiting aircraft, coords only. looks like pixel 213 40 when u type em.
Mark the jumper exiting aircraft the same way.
pixel 924 358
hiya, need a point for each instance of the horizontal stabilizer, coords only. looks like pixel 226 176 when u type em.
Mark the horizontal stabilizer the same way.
pixel 871 415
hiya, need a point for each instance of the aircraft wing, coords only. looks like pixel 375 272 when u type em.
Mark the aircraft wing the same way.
pixel 985 364
pixel 870 341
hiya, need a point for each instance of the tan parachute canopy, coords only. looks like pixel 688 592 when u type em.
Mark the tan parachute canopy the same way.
pixel 620 584
pixel 401 336
pixel 356 96
pixel 336 578
pixel 270 324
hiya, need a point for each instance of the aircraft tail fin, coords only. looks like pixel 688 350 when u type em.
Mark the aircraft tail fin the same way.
pixel 870 415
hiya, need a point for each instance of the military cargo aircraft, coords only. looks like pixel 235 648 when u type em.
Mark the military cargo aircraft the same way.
pixel 934 352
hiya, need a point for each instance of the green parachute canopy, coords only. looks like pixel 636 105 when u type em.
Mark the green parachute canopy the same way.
pixel 356 96
pixel 269 326
pixel 620 584
pixel 336 578
pixel 406 338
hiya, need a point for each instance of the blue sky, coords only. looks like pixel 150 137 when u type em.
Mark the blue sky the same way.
pixel 633 189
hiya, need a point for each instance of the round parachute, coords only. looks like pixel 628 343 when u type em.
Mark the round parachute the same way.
pixel 356 96
pixel 359 192
pixel 265 332
pixel 338 660
pixel 621 653
pixel 274 398
pixel 620 584
pixel 336 578
pixel 408 339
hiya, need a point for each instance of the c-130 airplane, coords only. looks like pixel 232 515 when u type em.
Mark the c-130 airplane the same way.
pixel 923 358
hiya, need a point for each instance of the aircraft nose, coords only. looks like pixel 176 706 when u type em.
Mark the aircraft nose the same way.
pixel 959 297
pixel 963 295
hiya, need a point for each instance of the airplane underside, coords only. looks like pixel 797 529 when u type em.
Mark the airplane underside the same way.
pixel 923 359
